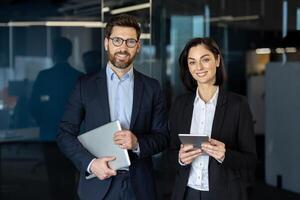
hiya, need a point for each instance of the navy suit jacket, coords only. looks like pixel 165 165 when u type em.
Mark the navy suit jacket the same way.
pixel 50 94
pixel 232 125
pixel 88 106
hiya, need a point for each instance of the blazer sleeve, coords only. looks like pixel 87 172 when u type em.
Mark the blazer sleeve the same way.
pixel 174 123
pixel 157 139
pixel 69 130
pixel 174 145
pixel 245 155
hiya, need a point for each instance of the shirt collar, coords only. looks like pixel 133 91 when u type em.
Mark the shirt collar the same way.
pixel 213 100
pixel 111 74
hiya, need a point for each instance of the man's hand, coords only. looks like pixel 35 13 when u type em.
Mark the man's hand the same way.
pixel 125 139
pixel 100 167
pixel 188 153
pixel 215 149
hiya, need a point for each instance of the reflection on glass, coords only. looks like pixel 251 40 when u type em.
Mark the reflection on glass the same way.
pixel 52 89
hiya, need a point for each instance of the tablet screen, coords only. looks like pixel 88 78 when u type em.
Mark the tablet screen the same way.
pixel 195 140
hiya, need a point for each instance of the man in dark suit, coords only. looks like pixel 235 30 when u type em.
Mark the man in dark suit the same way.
pixel 50 93
pixel 52 88
pixel 117 92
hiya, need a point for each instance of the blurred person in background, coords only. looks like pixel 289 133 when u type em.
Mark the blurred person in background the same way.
pixel 92 61
pixel 49 96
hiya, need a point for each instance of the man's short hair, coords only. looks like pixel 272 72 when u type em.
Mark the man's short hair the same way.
pixel 125 21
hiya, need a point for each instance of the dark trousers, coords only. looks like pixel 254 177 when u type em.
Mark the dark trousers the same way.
pixel 192 194
pixel 120 188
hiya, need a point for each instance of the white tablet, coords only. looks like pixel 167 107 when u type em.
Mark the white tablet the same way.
pixel 100 143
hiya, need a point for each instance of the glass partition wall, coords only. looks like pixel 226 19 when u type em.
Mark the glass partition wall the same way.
pixel 251 34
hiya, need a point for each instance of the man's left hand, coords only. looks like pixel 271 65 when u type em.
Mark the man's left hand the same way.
pixel 125 139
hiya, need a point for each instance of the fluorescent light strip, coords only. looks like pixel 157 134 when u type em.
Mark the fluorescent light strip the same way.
pixel 290 49
pixel 245 18
pixel 24 24
pixel 90 24
pixel 279 50
pixel 130 8
pixel 237 18
pixel 263 51
pixel 286 50
pixel 105 9
pixel 146 36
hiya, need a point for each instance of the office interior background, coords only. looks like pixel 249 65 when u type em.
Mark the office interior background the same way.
pixel 260 42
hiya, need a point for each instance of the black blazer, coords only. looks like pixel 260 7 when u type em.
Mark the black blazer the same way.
pixel 88 105
pixel 232 125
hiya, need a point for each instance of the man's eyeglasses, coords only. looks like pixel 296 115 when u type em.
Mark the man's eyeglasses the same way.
pixel 117 41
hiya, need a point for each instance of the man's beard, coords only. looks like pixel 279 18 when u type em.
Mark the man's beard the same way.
pixel 117 64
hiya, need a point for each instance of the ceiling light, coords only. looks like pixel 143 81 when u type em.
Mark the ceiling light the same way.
pixel 146 36
pixel 130 8
pixel 263 51
pixel 290 49
pixel 105 9
pixel 89 24
pixel 279 50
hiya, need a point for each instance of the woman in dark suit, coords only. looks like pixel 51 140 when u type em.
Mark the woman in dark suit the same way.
pixel 218 170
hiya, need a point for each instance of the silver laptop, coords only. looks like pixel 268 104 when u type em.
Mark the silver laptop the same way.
pixel 100 143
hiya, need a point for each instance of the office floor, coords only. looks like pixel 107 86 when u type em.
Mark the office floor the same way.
pixel 24 176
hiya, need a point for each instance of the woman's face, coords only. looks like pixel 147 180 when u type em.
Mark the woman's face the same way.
pixel 203 65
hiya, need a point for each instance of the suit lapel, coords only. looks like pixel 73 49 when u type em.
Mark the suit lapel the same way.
pixel 219 115
pixel 102 95
pixel 137 97
pixel 185 127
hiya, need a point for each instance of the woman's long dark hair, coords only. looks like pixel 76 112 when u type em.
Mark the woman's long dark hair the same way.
pixel 185 75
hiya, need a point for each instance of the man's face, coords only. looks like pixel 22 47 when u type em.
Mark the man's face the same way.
pixel 121 56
